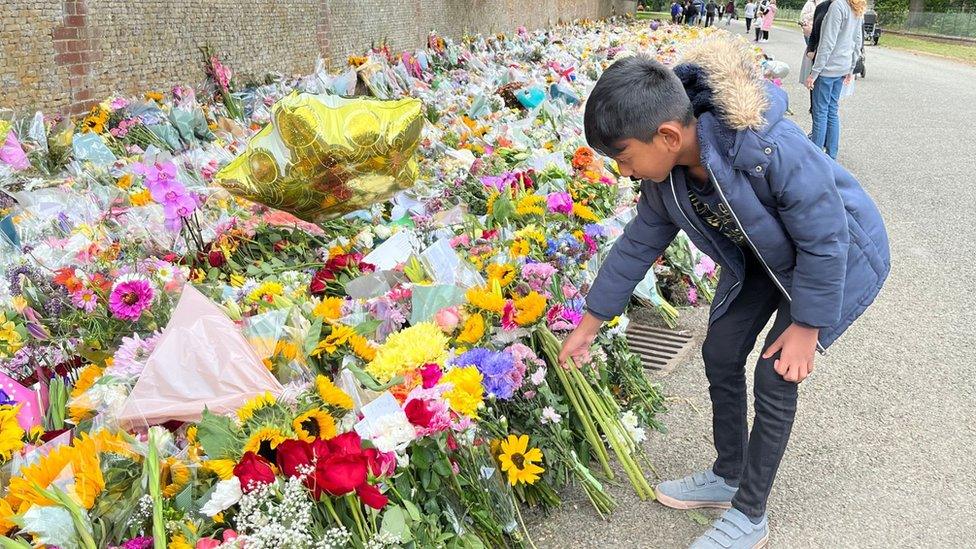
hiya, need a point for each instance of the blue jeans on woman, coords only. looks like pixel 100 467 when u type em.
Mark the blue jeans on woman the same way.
pixel 826 124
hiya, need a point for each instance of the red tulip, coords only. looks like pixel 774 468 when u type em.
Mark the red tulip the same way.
pixel 253 470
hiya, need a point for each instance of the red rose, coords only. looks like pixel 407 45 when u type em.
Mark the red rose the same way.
pixel 367 267
pixel 418 413
pixel 340 475
pixel 253 470
pixel 381 464
pixel 320 281
pixel 216 258
pixel 339 262
pixel 291 454
pixel 369 495
pixel 346 444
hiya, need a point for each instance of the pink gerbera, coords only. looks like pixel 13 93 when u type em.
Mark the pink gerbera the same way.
pixel 85 299
pixel 131 295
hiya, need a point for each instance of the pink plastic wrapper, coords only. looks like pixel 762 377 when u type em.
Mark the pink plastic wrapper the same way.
pixel 32 403
pixel 201 360
pixel 12 153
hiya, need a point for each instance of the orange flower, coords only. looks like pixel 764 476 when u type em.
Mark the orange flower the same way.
pixel 583 157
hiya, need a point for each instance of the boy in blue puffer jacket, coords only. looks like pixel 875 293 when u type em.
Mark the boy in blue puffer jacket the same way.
pixel 794 232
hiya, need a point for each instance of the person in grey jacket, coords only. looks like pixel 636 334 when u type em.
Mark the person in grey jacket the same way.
pixel 794 232
pixel 841 38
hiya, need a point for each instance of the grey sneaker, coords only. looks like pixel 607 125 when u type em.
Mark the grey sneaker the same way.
pixel 702 489
pixel 733 530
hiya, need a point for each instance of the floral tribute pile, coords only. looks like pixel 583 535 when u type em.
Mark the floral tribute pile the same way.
pixel 180 367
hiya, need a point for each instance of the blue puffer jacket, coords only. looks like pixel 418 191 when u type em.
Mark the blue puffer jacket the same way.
pixel 818 233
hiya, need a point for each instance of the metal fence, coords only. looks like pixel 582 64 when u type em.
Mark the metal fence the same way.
pixel 939 24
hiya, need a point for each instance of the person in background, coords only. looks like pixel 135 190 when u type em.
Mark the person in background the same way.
pixel 676 10
pixel 750 14
pixel 838 50
pixel 806 19
pixel 711 10
pixel 729 12
pixel 816 23
pixel 691 13
pixel 699 11
pixel 767 20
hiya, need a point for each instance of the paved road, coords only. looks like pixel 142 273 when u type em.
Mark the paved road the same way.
pixel 883 452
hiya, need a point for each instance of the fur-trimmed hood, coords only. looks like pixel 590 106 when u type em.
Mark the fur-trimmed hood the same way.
pixel 721 76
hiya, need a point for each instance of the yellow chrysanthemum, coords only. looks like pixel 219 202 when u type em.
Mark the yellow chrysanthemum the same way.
pixel 79 408
pixel 140 198
pixel 11 433
pixel 174 476
pixel 266 291
pixel 466 393
pixel 529 309
pixel 264 441
pixel 519 461
pixel 223 468
pixel 504 273
pixel 257 403
pixel 329 309
pixel 473 331
pixel 486 298
pixel 332 395
pixel 313 424
pixel 530 204
pixel 584 212
pixel 407 350
pixel 124 182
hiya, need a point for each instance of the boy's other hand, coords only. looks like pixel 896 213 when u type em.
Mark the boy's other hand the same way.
pixel 797 346
pixel 577 345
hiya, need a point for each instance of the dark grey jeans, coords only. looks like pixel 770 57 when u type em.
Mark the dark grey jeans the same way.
pixel 749 459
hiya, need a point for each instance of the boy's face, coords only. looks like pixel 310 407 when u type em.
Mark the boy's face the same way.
pixel 653 160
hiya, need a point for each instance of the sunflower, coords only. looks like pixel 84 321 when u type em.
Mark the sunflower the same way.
pixel 81 459
pixel 504 273
pixel 519 461
pixel 362 348
pixel 11 433
pixel 520 248
pixel 267 291
pixel 487 298
pixel 584 212
pixel 223 468
pixel 264 441
pixel 313 424
pixel 109 443
pixel 529 308
pixel 254 405
pixel 530 204
pixel 95 121
pixel 331 394
pixel 339 336
pixel 173 476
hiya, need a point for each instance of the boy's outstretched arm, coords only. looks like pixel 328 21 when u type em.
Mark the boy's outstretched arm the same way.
pixel 813 213
pixel 643 240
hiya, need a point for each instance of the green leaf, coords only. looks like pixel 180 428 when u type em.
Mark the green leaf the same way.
pixel 369 381
pixel 266 268
pixel 503 209
pixel 699 518
pixel 412 511
pixel 395 524
pixel 313 336
pixel 443 468
pixel 184 500
pixel 367 327
pixel 217 435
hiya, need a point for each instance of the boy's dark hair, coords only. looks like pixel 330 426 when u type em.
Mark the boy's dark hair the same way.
pixel 631 99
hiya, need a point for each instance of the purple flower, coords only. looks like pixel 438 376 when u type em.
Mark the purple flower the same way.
pixel 144 542
pixel 560 203
pixel 693 295
pixel 130 358
pixel 502 375
pixel 5 399
pixel 594 231
pixel 85 300
pixel 705 267
pixel 130 297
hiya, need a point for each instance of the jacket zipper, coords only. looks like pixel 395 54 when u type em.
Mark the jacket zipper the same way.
pixel 755 250
pixel 678 204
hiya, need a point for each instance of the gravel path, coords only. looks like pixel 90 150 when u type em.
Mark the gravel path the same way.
pixel 882 452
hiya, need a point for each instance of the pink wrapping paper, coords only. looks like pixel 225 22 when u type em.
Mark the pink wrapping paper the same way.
pixel 201 360
pixel 32 403
pixel 12 153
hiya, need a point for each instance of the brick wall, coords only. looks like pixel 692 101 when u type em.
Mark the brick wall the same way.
pixel 66 55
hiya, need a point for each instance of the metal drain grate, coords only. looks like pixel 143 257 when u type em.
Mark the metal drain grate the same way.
pixel 659 348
